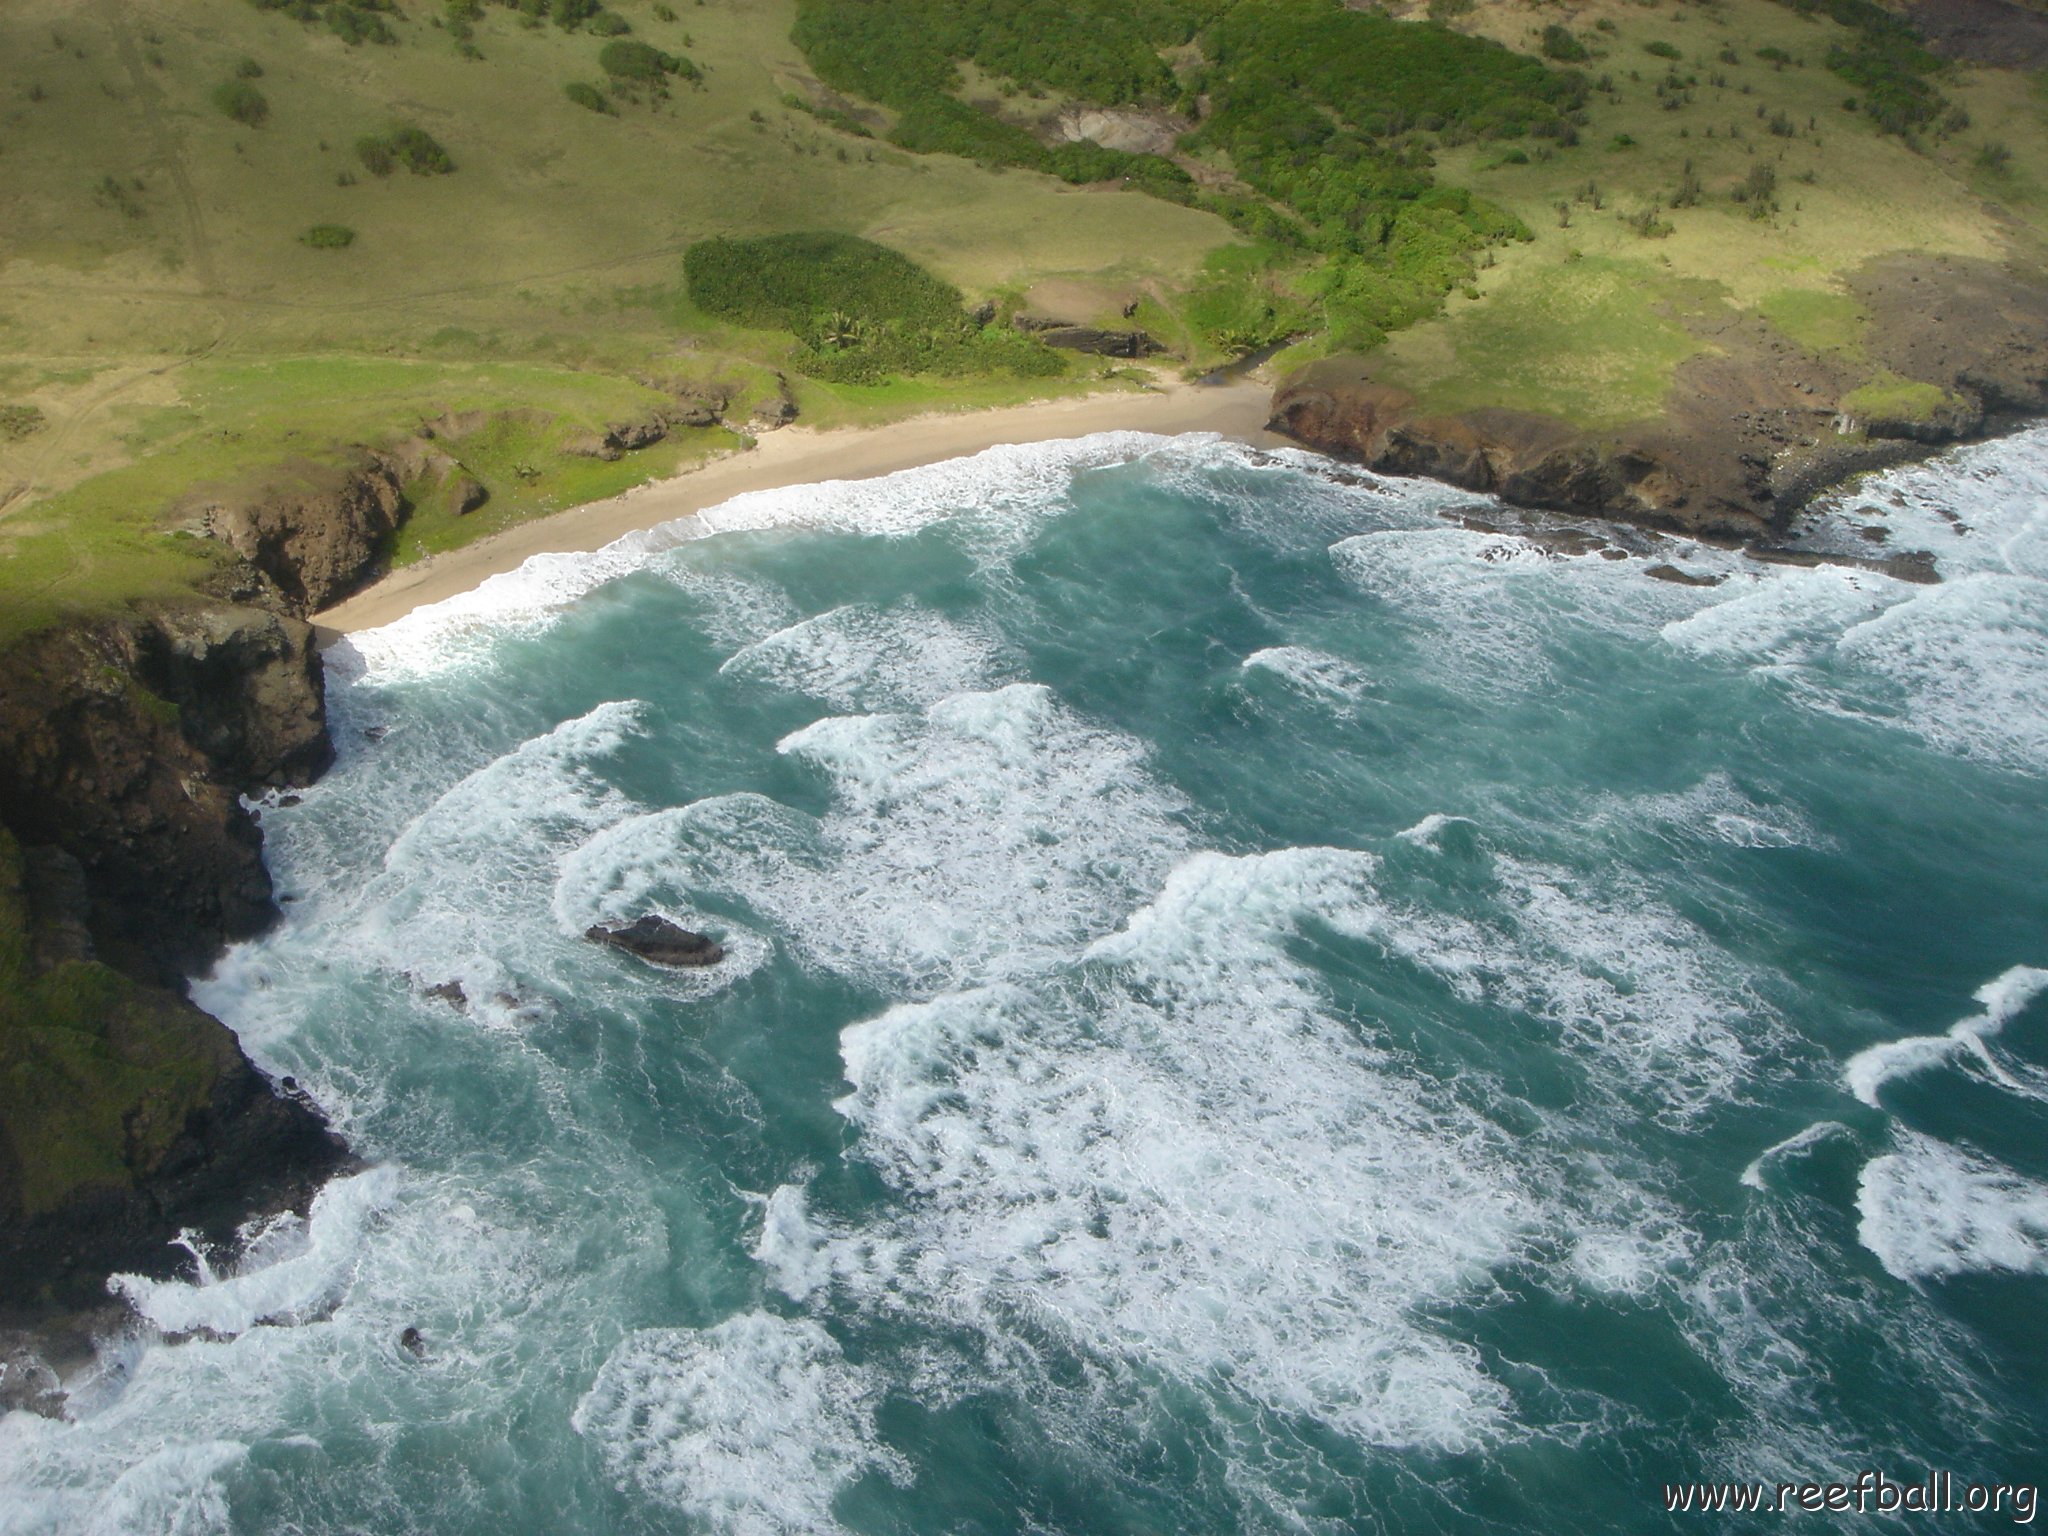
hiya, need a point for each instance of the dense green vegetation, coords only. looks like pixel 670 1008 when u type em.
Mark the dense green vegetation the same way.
pixel 413 148
pixel 861 311
pixel 1885 61
pixel 329 237
pixel 631 59
pixel 1319 108
pixel 356 22
pixel 904 52
pixel 242 101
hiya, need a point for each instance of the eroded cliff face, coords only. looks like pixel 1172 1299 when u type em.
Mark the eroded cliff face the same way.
pixel 127 744
pixel 126 860
pixel 312 534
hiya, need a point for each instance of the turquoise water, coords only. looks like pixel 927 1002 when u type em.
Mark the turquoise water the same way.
pixel 1254 1004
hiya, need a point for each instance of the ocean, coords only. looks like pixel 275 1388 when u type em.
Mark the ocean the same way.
pixel 1257 998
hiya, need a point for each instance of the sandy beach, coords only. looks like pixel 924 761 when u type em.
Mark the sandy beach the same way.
pixel 799 455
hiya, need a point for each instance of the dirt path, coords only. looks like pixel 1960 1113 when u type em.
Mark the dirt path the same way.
pixel 170 151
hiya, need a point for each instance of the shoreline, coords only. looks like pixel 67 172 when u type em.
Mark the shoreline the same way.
pixel 799 455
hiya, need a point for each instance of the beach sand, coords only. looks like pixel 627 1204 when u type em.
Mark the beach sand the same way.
pixel 800 455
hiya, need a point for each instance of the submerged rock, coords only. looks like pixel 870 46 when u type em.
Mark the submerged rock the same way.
pixel 658 941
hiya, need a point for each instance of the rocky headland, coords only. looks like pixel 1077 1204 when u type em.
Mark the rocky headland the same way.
pixel 1754 425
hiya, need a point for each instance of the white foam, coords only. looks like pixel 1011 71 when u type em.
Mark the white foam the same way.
pixel 1315 674
pixel 2003 999
pixel 959 844
pixel 1980 508
pixel 175 1491
pixel 1638 995
pixel 866 658
pixel 1426 832
pixel 460 894
pixel 530 599
pixel 1783 616
pixel 1716 810
pixel 1629 1263
pixel 1484 607
pixel 753 1426
pixel 1965 667
pixel 299 1270
pixel 1798 1144
pixel 993 486
pixel 1177 1161
pixel 1929 1211
pixel 735 609
pixel 791 1245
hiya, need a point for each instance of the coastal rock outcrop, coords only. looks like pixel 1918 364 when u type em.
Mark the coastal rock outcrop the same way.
pixel 126 858
pixel 316 533
pixel 1645 476
pixel 658 941
pixel 1753 426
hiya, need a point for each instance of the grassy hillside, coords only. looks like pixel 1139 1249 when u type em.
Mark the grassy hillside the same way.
pixel 1589 319
pixel 162 314
pixel 230 237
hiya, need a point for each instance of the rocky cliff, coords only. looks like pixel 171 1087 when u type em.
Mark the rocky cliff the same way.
pixel 126 859
pixel 1753 426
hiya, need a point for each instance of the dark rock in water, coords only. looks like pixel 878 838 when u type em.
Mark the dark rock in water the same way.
pixel 659 942
pixel 451 993
pixel 376 732
pixel 413 1342
pixel 1673 574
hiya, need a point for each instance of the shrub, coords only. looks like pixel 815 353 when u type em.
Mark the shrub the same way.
pixel 1447 11
pixel 355 24
pixel 241 101
pixel 1662 49
pixel 1994 156
pixel 375 153
pixel 1689 188
pixel 414 148
pixel 1558 43
pixel 329 237
pixel 19 421
pixel 609 24
pixel 629 59
pixel 248 69
pixel 782 282
pixel 860 311
pixel 587 96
